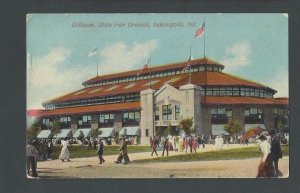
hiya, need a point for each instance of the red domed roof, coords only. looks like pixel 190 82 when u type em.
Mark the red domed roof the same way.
pixel 197 78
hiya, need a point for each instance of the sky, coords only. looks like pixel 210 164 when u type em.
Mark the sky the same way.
pixel 60 57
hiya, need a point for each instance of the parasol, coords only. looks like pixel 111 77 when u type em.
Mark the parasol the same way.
pixel 252 133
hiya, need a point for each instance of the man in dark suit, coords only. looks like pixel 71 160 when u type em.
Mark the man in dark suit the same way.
pixel 275 150
pixel 49 148
pixel 165 145
pixel 100 151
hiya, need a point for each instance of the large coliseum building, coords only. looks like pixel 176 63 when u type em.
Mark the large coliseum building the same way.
pixel 163 95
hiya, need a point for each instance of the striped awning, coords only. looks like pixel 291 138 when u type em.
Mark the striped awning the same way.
pixel 218 130
pixel 107 132
pixel 86 132
pixel 44 134
pixel 132 131
pixel 64 133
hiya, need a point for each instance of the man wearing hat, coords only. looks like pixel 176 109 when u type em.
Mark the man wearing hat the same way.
pixel 165 141
pixel 275 150
pixel 123 152
pixel 100 151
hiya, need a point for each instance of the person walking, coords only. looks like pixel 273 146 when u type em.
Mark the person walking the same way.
pixel 194 144
pixel 191 144
pixel 276 151
pixel 165 146
pixel 123 153
pixel 50 148
pixel 100 151
pixel 181 144
pixel 154 146
pixel 94 144
pixel 31 156
pixel 265 168
pixel 64 154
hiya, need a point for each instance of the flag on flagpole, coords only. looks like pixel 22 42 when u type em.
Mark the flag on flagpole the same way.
pixel 187 67
pixel 200 31
pixel 146 66
pixel 93 52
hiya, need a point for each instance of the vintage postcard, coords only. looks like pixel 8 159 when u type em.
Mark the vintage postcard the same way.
pixel 157 96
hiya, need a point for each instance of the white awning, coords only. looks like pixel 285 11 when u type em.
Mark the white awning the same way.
pixel 44 134
pixel 86 132
pixel 251 126
pixel 218 130
pixel 107 132
pixel 64 133
pixel 132 131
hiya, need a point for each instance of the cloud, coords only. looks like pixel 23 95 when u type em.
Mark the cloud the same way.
pixel 285 14
pixel 121 57
pixel 237 56
pixel 280 82
pixel 46 79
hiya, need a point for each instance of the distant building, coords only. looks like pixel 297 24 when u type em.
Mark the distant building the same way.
pixel 136 105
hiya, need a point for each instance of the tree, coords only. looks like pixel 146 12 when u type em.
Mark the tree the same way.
pixel 81 136
pixel 95 133
pixel 56 129
pixel 33 130
pixel 161 131
pixel 124 134
pixel 186 125
pixel 232 127
pixel 173 130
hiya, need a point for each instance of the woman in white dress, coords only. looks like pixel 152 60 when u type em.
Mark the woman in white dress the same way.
pixel 64 154
pixel 265 168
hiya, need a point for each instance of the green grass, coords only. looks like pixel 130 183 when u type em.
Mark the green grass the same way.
pixel 240 153
pixel 81 151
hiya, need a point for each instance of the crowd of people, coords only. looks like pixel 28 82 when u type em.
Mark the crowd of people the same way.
pixel 39 150
pixel 176 143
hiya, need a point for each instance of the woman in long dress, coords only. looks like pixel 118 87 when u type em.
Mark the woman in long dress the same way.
pixel 180 144
pixel 64 154
pixel 265 168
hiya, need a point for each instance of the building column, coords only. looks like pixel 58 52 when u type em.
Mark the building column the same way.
pixel 147 115
pixel 118 122
pixel 239 116
pixel 206 121
pixel 191 105
pixel 74 123
pixel 95 121
pixel 269 118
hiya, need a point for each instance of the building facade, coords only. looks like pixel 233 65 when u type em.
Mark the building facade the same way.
pixel 140 101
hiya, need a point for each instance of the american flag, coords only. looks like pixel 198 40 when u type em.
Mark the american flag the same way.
pixel 200 31
pixel 187 67
pixel 93 52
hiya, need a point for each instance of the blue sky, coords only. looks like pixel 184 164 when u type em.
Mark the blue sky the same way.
pixel 253 46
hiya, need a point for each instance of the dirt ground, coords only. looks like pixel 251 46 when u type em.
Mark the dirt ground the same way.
pixel 89 167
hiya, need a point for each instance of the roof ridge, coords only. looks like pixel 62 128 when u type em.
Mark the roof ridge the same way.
pixel 245 79
pixel 207 60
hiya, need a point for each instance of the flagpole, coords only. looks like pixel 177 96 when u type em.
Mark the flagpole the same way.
pixel 150 72
pixel 97 61
pixel 190 78
pixel 190 52
pixel 204 36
